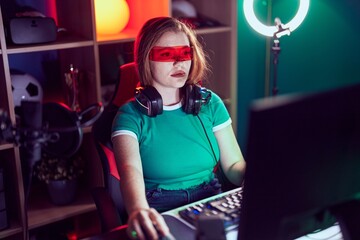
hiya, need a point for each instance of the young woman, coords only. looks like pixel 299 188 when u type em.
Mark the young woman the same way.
pixel 169 138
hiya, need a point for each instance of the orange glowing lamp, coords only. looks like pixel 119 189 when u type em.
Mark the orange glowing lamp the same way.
pixel 111 16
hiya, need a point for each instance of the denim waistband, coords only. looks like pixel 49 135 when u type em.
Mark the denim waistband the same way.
pixel 213 183
pixel 163 200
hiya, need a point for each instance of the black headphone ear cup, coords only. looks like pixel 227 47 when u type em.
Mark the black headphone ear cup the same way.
pixel 197 99
pixel 149 101
pixel 192 99
pixel 187 103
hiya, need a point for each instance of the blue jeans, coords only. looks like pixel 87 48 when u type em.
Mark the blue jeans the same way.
pixel 164 200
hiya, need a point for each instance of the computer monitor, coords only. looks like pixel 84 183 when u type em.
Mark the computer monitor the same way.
pixel 303 164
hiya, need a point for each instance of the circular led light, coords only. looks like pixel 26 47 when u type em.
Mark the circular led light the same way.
pixel 270 30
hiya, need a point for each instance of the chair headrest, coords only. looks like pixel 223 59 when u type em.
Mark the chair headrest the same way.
pixel 128 81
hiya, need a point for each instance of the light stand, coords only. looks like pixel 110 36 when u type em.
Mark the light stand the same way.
pixel 281 31
pixel 276 51
pixel 275 31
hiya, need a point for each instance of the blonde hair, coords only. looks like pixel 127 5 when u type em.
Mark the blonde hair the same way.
pixel 149 34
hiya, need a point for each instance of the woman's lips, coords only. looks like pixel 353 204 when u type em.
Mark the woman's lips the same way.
pixel 178 74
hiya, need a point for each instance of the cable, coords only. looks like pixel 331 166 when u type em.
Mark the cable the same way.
pixel 26 203
pixel 207 137
pixel 217 166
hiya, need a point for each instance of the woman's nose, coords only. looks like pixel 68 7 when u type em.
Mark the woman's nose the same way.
pixel 178 60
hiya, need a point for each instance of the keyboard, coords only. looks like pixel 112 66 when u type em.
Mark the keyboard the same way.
pixel 227 207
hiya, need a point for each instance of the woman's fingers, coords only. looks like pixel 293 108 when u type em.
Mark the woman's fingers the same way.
pixel 158 222
pixel 146 224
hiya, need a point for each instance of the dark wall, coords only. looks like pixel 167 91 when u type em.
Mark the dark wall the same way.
pixel 323 53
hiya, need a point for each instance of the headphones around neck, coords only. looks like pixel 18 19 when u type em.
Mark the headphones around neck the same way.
pixel 150 102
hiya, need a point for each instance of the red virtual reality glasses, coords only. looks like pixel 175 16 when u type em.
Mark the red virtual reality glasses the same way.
pixel 171 54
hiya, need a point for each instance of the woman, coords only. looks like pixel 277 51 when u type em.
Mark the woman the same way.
pixel 169 138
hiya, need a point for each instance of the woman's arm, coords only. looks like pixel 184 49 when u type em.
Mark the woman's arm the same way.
pixel 142 218
pixel 231 158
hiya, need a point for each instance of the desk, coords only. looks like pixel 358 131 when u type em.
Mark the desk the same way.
pixel 184 231
pixel 119 233
pixel 180 227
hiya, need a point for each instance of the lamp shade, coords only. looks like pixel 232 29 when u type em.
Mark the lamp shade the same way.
pixel 111 16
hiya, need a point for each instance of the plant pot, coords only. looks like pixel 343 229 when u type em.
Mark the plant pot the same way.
pixel 62 192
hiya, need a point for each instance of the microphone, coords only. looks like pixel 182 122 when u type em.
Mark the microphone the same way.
pixel 52 127
pixel 31 123
pixel 30 138
pixel 60 137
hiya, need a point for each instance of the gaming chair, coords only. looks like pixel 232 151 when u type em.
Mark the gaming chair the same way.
pixel 108 199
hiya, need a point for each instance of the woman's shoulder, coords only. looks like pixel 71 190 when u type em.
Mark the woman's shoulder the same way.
pixel 129 110
pixel 214 95
pixel 129 106
pixel 215 98
pixel 127 115
pixel 216 109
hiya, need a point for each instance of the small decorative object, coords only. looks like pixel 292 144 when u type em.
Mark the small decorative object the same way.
pixel 72 81
pixel 25 87
pixel 61 176
pixel 62 192
pixel 111 16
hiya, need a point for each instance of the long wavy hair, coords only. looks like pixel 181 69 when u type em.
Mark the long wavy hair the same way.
pixel 149 34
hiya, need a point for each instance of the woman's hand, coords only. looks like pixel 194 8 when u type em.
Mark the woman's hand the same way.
pixel 146 224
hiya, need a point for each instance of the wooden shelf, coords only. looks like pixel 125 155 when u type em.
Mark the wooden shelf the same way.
pixel 213 30
pixel 130 35
pixel 81 46
pixel 14 229
pixel 5 146
pixel 64 43
pixel 124 36
pixel 42 211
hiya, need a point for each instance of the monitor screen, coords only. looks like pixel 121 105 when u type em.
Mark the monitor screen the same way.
pixel 303 159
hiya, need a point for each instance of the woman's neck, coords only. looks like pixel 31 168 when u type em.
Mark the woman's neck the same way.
pixel 170 96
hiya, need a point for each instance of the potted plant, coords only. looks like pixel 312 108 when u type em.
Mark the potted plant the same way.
pixel 61 177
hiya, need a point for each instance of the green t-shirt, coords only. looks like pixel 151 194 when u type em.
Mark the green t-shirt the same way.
pixel 174 149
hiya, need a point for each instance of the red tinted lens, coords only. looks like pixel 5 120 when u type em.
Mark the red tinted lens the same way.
pixel 171 54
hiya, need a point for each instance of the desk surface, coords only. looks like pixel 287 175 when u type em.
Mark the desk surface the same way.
pixel 183 230
pixel 331 233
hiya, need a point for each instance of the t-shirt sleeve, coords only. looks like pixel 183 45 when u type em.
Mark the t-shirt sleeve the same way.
pixel 220 115
pixel 126 122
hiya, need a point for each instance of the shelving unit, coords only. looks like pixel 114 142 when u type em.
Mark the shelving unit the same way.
pixel 82 47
